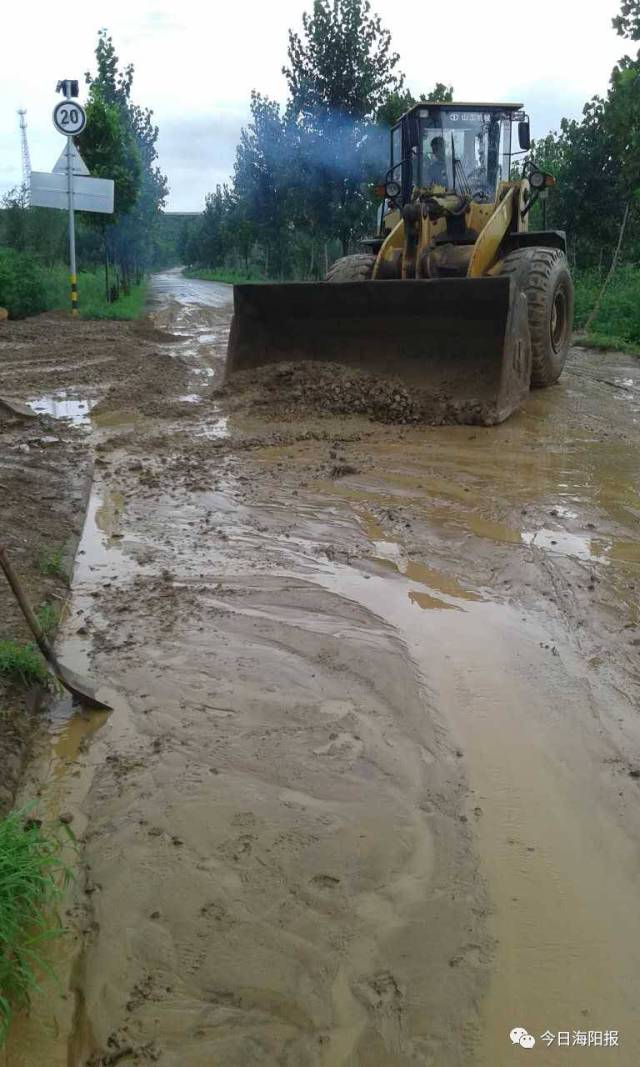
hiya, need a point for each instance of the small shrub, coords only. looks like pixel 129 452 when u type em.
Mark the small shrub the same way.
pixel 48 615
pixel 22 284
pixel 22 663
pixel 50 563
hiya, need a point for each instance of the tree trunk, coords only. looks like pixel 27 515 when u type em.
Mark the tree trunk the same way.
pixel 125 276
pixel 326 258
pixel 107 290
pixel 614 264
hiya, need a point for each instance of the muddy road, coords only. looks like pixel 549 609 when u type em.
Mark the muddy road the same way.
pixel 370 791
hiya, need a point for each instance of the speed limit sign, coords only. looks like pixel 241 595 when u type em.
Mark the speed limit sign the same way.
pixel 69 118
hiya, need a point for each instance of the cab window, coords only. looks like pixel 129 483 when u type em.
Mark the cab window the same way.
pixel 396 146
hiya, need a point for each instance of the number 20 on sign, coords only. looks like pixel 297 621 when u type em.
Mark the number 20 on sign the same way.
pixel 69 118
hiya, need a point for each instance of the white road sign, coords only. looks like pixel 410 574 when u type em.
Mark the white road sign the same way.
pixel 89 194
pixel 78 165
pixel 69 117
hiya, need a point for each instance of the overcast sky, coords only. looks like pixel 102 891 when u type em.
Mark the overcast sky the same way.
pixel 196 63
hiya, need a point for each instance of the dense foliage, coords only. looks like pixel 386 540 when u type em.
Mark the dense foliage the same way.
pixel 22 283
pixel 304 172
pixel 617 320
pixel 126 152
pixel 597 164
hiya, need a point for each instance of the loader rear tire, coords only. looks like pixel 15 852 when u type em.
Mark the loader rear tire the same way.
pixel 357 268
pixel 543 275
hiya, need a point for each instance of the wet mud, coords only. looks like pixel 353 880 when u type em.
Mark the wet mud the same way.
pixel 45 475
pixel 369 794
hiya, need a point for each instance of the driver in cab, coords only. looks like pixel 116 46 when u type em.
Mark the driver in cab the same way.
pixel 436 168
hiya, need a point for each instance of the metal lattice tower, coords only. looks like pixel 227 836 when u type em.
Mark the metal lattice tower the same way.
pixel 26 160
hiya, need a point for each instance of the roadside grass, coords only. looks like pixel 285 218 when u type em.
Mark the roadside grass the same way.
pixel 231 277
pixel 617 324
pixel 126 308
pixel 22 663
pixel 50 563
pixel 48 615
pixel 27 287
pixel 92 303
pixel 32 879
pixel 604 342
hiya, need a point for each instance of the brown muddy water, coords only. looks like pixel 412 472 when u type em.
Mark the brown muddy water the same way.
pixel 369 794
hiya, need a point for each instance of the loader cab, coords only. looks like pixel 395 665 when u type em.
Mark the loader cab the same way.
pixel 453 148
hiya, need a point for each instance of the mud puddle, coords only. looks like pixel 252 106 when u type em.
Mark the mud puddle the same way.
pixel 119 419
pixel 217 427
pixel 63 405
pixel 100 557
pixel 80 412
pixel 549 857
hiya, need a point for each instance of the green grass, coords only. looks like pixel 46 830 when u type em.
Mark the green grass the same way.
pixel 232 277
pixel 22 663
pixel 126 308
pixel 604 342
pixel 48 615
pixel 50 563
pixel 617 324
pixel 91 299
pixel 32 878
pixel 27 288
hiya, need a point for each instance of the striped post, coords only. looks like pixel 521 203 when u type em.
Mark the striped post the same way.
pixel 73 278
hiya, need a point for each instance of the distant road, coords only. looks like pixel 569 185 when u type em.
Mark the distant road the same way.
pixel 173 284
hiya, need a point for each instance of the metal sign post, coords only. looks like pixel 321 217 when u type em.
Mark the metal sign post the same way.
pixel 69 187
pixel 69 118
pixel 73 277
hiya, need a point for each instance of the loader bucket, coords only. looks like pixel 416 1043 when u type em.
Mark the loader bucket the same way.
pixel 460 344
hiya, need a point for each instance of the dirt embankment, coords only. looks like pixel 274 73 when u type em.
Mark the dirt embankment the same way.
pixel 64 368
pixel 45 473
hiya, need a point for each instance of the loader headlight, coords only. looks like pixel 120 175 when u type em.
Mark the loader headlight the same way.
pixel 393 190
pixel 536 179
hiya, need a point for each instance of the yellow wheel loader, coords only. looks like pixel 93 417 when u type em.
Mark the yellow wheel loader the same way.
pixel 455 295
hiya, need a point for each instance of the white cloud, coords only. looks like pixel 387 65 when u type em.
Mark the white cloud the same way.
pixel 196 63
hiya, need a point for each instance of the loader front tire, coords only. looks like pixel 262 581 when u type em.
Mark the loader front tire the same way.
pixel 543 275
pixel 357 268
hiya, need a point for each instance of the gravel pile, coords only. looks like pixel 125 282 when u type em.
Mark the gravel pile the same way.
pixel 290 390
